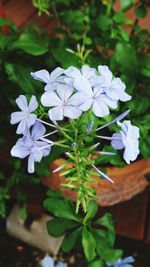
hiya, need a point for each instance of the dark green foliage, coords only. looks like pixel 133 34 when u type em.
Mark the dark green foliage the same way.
pixel 95 237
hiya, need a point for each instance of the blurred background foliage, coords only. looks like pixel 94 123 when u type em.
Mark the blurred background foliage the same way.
pixel 86 32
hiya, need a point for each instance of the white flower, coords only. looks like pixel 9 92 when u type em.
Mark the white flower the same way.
pixel 51 79
pixel 93 98
pixel 63 102
pixel 74 74
pixel 113 87
pixel 24 117
pixel 127 139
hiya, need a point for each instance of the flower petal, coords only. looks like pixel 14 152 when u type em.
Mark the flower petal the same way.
pixel 76 99
pixel 64 92
pixel 86 104
pixel 72 72
pixel 33 104
pixel 17 117
pixel 56 114
pixel 22 103
pixel 117 141
pixel 22 126
pixel 50 99
pixel 100 109
pixel 20 150
pixel 82 84
pixel 38 130
pixel 56 73
pixel 30 120
pixel 72 112
pixel 105 72
pixel 41 75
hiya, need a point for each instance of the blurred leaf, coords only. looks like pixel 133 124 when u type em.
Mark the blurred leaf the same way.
pixel 31 44
pixel 74 19
pixel 103 22
pixel 126 4
pixel 140 12
pixel 21 76
pixel 125 57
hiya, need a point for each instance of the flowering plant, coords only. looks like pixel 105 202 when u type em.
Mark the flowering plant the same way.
pixel 72 109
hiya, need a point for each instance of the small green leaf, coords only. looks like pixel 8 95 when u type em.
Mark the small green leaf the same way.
pixel 58 227
pixel 89 244
pixel 140 12
pixel 97 263
pixel 70 240
pixel 61 208
pixel 91 210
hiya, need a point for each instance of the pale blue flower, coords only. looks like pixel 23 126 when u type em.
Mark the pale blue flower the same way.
pixel 112 86
pixel 25 118
pixel 31 146
pixel 63 102
pixel 127 139
pixel 74 74
pixel 94 98
pixel 47 261
pixel 126 262
pixel 51 79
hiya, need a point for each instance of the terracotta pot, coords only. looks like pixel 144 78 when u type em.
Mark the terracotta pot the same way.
pixel 128 181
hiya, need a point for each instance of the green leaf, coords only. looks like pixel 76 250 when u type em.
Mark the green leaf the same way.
pixel 61 208
pixel 107 221
pixel 126 4
pixel 89 244
pixel 31 44
pixel 58 227
pixel 91 210
pixel 105 251
pixel 119 17
pixel 75 20
pixel 126 63
pixel 42 169
pixel 21 76
pixel 70 240
pixel 103 22
pixel 97 263
pixel 140 12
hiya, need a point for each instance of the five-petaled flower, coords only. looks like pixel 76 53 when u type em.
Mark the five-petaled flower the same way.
pixel 51 79
pixel 63 102
pixel 112 86
pixel 25 117
pixel 32 146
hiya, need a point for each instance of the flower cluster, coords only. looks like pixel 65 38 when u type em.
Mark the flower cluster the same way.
pixel 72 93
